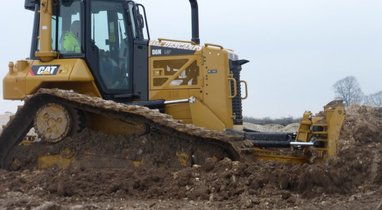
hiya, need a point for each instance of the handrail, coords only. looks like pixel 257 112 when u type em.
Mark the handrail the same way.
pixel 213 45
pixel 174 40
pixel 245 88
pixel 234 87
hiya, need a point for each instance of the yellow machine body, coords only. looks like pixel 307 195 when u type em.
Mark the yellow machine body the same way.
pixel 73 74
pixel 204 76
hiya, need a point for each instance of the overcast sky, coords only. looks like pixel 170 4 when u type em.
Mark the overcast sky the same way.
pixel 298 48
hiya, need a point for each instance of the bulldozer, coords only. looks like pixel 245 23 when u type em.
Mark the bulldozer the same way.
pixel 143 103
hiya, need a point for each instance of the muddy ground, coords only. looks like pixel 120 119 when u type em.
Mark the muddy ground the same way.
pixel 353 180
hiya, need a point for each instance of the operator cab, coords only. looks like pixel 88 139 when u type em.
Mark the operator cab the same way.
pixel 108 35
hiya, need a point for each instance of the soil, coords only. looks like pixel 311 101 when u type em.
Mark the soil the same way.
pixel 352 180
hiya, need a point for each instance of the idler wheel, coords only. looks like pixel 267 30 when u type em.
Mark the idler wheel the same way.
pixel 53 122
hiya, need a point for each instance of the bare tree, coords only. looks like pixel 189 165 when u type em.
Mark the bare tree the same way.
pixel 374 99
pixel 348 90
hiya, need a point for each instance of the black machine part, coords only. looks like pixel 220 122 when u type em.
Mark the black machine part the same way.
pixel 30 4
pixel 278 140
pixel 195 21
pixel 236 67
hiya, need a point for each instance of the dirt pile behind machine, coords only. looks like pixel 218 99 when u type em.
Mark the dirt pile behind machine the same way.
pixel 93 67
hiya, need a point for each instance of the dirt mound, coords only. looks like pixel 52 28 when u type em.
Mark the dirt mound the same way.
pixel 359 160
pixel 351 180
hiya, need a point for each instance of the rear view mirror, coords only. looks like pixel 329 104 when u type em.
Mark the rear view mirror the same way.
pixel 140 21
pixel 30 4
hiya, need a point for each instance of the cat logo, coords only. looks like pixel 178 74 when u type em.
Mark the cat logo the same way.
pixel 44 70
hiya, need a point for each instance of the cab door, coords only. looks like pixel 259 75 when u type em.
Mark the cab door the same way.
pixel 110 45
pixel 115 52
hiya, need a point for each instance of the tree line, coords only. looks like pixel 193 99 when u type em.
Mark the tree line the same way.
pixel 349 90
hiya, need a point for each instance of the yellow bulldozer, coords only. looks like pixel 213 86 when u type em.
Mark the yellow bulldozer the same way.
pixel 93 67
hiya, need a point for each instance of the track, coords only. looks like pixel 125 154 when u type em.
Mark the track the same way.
pixel 165 140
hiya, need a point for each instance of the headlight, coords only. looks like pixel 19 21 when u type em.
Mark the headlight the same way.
pixel 233 56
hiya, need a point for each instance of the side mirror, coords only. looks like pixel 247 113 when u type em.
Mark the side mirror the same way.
pixel 140 21
pixel 30 4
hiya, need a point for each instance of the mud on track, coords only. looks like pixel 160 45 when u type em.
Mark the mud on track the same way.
pixel 353 180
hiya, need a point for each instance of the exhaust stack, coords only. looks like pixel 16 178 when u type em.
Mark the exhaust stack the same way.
pixel 195 21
